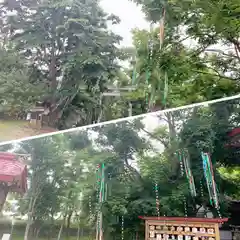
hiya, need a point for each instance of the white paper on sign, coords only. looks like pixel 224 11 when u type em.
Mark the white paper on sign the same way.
pixel 6 236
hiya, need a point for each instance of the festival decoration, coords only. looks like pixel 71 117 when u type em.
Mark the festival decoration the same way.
pixel 90 207
pixel 183 157
pixel 161 27
pixel 151 90
pixel 157 199
pixel 164 228
pixel 101 198
pixel 102 192
pixel 122 228
pixel 210 181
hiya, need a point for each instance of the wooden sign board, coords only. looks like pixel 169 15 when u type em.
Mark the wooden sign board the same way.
pixel 176 228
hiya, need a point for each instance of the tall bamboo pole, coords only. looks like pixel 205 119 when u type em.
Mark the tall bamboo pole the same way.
pixel 99 227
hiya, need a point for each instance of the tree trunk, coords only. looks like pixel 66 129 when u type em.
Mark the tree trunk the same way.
pixel 61 228
pixel 53 73
pixel 30 216
pixel 68 223
pixel 27 230
pixel 4 189
pixel 78 232
pixel 137 235
pixel 171 126
pixel 37 233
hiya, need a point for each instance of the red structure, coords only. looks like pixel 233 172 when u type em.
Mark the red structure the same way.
pixel 186 219
pixel 13 176
pixel 233 138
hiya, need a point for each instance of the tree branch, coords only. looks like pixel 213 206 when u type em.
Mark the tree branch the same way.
pixel 156 138
pixel 222 52
pixel 216 75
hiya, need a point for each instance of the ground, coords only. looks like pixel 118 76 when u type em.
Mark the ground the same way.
pixel 70 238
pixel 11 130
pixel 18 231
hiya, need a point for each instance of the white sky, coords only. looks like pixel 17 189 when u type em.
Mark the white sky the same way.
pixel 130 15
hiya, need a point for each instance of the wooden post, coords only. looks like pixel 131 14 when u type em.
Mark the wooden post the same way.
pixel 129 109
pixel 101 227
pixel 97 233
pixel 115 92
pixel 146 230
pixel 99 230
pixel 217 233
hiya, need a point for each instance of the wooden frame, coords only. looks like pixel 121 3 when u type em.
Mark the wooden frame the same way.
pixel 169 228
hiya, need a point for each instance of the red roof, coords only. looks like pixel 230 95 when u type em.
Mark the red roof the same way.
pixel 234 132
pixel 186 219
pixel 13 172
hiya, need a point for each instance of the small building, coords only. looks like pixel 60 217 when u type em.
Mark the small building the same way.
pixel 36 115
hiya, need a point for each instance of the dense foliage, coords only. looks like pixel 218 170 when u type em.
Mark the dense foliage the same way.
pixel 200 52
pixel 62 52
pixel 63 181
pixel 69 50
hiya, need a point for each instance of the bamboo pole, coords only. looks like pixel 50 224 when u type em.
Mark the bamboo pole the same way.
pixel 99 227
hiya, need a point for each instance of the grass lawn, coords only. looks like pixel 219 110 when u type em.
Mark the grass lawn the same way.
pixel 10 130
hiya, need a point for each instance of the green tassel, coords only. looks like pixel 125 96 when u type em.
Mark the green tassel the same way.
pixel 146 90
pixel 106 191
pixel 165 89
pixel 102 187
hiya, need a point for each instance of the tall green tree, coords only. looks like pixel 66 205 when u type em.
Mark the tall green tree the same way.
pixel 211 62
pixel 71 46
pixel 18 93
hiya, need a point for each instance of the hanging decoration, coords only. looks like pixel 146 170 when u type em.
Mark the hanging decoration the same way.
pixel 109 190
pixel 182 174
pixel 122 228
pixel 152 90
pixel 188 172
pixel 98 179
pixel 183 157
pixel 150 47
pixel 162 26
pixel 181 162
pixel 90 207
pixel 157 199
pixel 185 206
pixel 161 76
pixel 98 182
pixel 161 39
pixel 103 191
pixel 210 181
pixel 201 189
pixel 101 198
pixel 165 92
